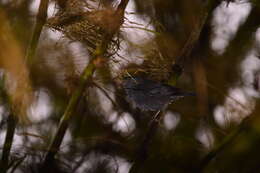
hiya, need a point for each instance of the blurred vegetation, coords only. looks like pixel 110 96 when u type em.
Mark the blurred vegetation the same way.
pixel 63 108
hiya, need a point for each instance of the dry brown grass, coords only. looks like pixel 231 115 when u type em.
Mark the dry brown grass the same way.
pixel 18 85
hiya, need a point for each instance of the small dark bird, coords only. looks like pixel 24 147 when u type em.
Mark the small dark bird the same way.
pixel 150 95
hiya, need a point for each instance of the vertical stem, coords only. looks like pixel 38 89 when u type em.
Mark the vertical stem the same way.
pixel 73 102
pixel 40 21
pixel 57 140
pixel 11 124
pixel 143 149
pixel 76 96
pixel 122 5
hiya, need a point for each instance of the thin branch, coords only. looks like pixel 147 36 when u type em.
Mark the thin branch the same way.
pixel 192 40
pixel 195 35
pixel 141 28
pixel 106 94
pixel 226 95
pixel 19 162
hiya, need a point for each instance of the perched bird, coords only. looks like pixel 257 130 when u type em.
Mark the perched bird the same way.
pixel 150 95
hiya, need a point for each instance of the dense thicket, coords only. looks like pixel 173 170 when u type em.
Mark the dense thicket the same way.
pixel 63 108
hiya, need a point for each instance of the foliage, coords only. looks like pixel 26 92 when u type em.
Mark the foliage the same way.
pixel 63 108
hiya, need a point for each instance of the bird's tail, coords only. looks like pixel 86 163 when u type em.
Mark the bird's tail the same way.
pixel 180 94
pixel 185 93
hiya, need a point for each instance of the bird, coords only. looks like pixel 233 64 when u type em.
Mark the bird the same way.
pixel 150 95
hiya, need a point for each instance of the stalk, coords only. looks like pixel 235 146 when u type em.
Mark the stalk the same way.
pixel 40 21
pixel 11 124
pixel 142 152
pixel 73 102
pixel 76 96
pixel 12 121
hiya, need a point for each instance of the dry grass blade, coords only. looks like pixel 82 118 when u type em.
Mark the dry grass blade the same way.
pixel 17 81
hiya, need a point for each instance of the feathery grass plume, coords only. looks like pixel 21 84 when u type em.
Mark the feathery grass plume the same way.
pixel 155 65
pixel 80 21
pixel 12 61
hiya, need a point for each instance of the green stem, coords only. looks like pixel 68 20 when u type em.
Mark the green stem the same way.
pixel 76 96
pixel 40 21
pixel 73 102
pixel 57 140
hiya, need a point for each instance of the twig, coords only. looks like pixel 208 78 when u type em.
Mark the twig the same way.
pixel 141 28
pixel 32 135
pixel 17 164
pixel 228 96
pixel 106 94
pixel 192 40
pixel 195 35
